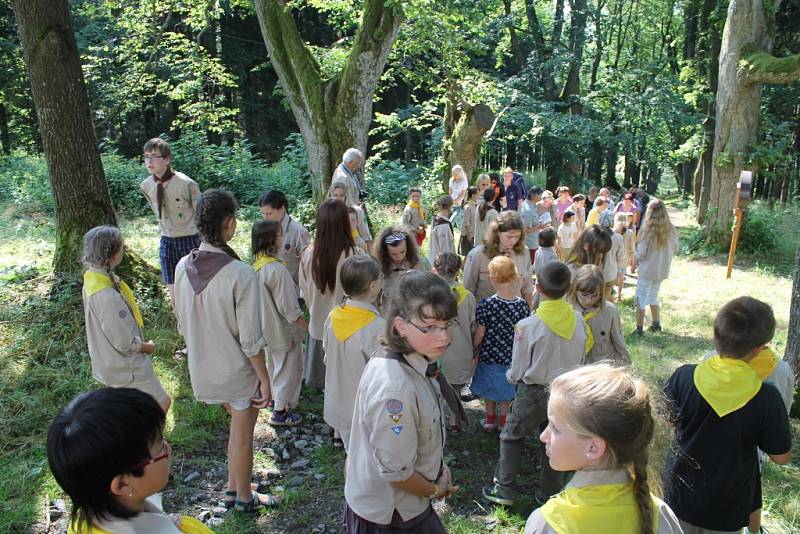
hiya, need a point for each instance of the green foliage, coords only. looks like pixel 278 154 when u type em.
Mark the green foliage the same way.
pixel 24 181
pixel 758 235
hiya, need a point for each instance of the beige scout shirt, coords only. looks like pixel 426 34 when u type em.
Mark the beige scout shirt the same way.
pixel 412 220
pixel 614 258
pixel 279 306
pixel 654 263
pixel 151 520
pixel 181 195
pixel 457 359
pixel 469 220
pixel 667 522
pixel 481 226
pixel 295 240
pixel 608 340
pixel 344 365
pixel 398 428
pixel 351 181
pixel 539 355
pixel 114 339
pixel 320 304
pixel 394 276
pixel 441 240
pixel 363 227
pixel 476 274
pixel 222 329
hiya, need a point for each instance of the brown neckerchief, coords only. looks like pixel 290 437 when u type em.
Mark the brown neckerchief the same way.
pixel 203 265
pixel 168 174
pixel 439 220
pixel 448 393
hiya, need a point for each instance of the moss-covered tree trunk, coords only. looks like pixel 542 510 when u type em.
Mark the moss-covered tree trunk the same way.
pixel 464 127
pixel 792 353
pixel 333 114
pixel 76 173
pixel 745 64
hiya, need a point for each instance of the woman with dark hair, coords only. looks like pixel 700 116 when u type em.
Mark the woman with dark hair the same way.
pixel 504 238
pixel 397 253
pixel 319 280
pixel 395 465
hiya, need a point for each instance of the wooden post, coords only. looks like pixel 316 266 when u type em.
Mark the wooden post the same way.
pixel 743 188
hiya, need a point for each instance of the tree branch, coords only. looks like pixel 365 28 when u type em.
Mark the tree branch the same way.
pixel 761 67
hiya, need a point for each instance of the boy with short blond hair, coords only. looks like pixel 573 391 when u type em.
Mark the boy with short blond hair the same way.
pixel 723 412
pixel 173 197
pixel 546 344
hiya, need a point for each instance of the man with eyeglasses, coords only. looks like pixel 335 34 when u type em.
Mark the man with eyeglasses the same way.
pixel 173 196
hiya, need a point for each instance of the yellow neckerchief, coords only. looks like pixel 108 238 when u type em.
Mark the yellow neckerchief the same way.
pixel 600 509
pixel 764 363
pixel 589 335
pixel 354 233
pixel 189 525
pixel 94 282
pixel 559 317
pixel 262 260
pixel 461 293
pixel 726 384
pixel 417 206
pixel 346 320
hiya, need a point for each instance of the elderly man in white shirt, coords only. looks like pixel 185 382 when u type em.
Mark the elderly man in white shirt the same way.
pixel 349 173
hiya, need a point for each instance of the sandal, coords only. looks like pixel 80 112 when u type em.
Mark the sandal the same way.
pixel 337 443
pixel 285 418
pixel 230 495
pixel 259 500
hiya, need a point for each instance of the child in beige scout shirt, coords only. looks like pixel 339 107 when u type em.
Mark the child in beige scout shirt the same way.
pixel 218 306
pixel 351 338
pixel 120 356
pixel 414 215
pixel 397 253
pixel 395 467
pixel 457 360
pixel 352 216
pixel 442 239
pixel 546 344
pixel 173 198
pixel 275 207
pixel 358 219
pixel 602 317
pixel 281 321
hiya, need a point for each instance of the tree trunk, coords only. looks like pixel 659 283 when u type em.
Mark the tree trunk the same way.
pixel 5 135
pixel 518 59
pixel 792 352
pixel 76 173
pixel 332 114
pixel 577 39
pixel 544 52
pixel 745 64
pixel 463 145
pixel 611 165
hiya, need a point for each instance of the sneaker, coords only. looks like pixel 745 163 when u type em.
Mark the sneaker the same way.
pixel 655 328
pixel 637 333
pixel 285 418
pixel 493 493
pixel 488 427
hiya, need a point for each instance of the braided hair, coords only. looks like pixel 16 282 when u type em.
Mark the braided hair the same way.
pixel 214 208
pixel 100 244
pixel 608 402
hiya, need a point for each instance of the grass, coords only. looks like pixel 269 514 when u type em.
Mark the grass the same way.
pixel 44 363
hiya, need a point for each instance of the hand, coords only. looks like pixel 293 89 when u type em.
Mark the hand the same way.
pixel 148 347
pixel 444 486
pixel 264 396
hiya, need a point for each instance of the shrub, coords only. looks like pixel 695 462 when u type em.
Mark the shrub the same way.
pixel 24 181
pixel 758 234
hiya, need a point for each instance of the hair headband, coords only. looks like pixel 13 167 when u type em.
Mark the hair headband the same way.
pixel 394 238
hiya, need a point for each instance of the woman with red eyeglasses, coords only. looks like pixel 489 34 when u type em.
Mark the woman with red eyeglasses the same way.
pixel 107 451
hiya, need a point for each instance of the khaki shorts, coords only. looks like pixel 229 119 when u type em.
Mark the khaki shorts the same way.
pixel 150 385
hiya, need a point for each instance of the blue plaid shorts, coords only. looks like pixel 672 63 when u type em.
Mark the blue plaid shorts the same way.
pixel 170 252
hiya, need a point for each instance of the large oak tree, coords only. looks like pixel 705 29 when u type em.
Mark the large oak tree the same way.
pixel 76 172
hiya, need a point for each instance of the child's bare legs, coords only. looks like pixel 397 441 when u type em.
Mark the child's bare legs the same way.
pixel 655 311
pixel 620 283
pixel 503 411
pixel 754 525
pixel 165 404
pixel 240 452
pixel 639 317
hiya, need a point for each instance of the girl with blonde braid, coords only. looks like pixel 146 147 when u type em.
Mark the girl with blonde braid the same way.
pixel 600 425
pixel 120 355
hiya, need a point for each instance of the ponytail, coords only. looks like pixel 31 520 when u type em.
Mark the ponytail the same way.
pixel 488 197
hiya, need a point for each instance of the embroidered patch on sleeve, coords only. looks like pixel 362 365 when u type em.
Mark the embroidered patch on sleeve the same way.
pixel 397 429
pixel 123 314
pixel 394 406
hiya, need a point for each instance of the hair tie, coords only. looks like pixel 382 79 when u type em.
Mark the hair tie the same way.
pixel 394 238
